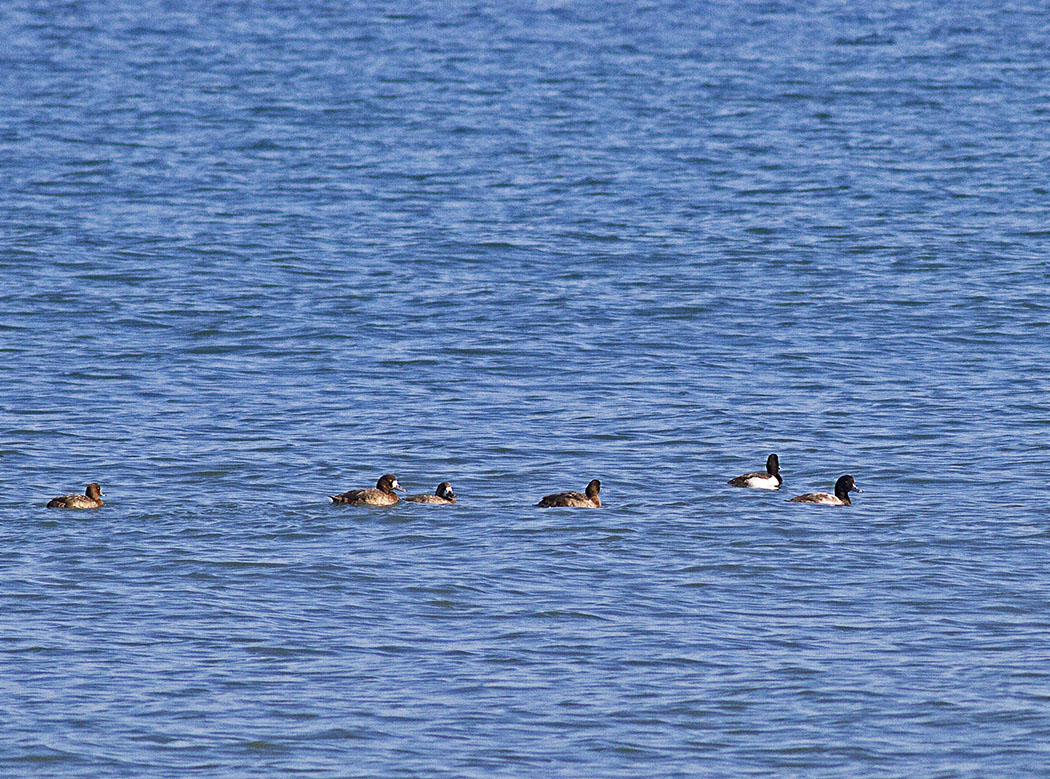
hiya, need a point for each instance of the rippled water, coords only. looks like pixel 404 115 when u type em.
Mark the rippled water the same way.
pixel 258 253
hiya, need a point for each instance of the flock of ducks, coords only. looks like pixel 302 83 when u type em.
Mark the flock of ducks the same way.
pixel 385 494
pixel 386 489
pixel 770 479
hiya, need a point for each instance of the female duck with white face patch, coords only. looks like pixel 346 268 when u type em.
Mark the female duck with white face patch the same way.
pixel 382 495
pixel 442 495
pixel 770 480
pixel 843 487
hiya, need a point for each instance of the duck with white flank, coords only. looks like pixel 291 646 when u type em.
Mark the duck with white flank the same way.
pixel 770 480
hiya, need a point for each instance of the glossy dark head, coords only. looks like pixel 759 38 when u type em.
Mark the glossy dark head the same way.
pixel 593 487
pixel 94 490
pixel 845 485
pixel 388 483
pixel 772 465
pixel 444 490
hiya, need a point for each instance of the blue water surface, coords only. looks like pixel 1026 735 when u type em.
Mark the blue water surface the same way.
pixel 256 253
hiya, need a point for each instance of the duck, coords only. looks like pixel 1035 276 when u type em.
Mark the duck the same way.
pixel 770 480
pixel 443 494
pixel 843 487
pixel 575 499
pixel 89 501
pixel 381 495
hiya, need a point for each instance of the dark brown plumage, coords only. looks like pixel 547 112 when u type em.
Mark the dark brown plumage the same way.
pixel 381 495
pixel 89 501
pixel 443 494
pixel 575 499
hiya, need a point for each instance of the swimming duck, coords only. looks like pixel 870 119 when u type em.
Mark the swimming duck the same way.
pixel 843 487
pixel 770 480
pixel 576 499
pixel 89 501
pixel 381 495
pixel 443 494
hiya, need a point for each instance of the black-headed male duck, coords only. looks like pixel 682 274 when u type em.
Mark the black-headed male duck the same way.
pixel 770 480
pixel 843 487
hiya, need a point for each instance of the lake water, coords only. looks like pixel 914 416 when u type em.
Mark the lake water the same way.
pixel 254 254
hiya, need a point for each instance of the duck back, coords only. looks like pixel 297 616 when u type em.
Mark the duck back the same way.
pixel 434 499
pixel 821 498
pixel 589 500
pixel 368 497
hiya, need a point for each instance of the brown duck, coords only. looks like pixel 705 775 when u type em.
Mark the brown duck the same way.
pixel 576 499
pixel 89 501
pixel 443 494
pixel 381 495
